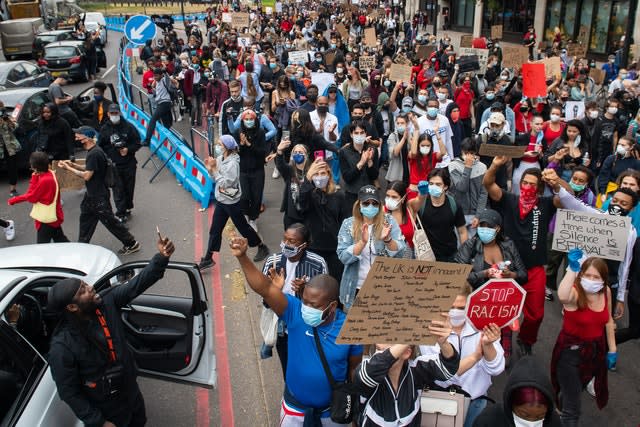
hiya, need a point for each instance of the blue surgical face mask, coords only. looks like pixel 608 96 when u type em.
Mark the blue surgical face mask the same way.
pixel 435 190
pixel 576 187
pixel 387 83
pixel 490 96
pixel 369 211
pixel 432 112
pixel 400 129
pixel 422 98
pixel 249 123
pixel 298 158
pixel 272 65
pixel 97 97
pixel 289 251
pixel 218 151
pixel 406 109
pixel 312 316
pixel 320 181
pixel 487 234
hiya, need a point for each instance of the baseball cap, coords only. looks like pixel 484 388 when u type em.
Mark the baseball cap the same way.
pixel 62 293
pixel 368 192
pixel 490 217
pixel 114 108
pixel 87 131
pixel 407 101
pixel 496 118
pixel 496 106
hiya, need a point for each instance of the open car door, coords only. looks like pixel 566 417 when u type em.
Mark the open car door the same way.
pixel 168 327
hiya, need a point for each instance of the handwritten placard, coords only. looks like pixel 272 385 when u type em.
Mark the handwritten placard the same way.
pixel 597 75
pixel 496 32
pixel 481 54
pixel 226 17
pixel 424 50
pixel 604 236
pixel 68 180
pixel 574 110
pixel 551 66
pixel 399 299
pixel 298 57
pixel 466 40
pixel 370 37
pixel 577 49
pixel 510 151
pixel 367 63
pixel 400 72
pixel 342 30
pixel 514 56
pixel 239 20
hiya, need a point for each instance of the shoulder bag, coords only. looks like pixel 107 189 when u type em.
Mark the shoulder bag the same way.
pixel 343 398
pixel 46 214
pixel 443 408
pixel 421 245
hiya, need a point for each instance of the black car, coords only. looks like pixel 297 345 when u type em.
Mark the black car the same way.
pixel 15 74
pixel 25 104
pixel 69 57
pixel 46 37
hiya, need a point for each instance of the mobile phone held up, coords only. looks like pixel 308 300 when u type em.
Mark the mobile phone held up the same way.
pixel 318 155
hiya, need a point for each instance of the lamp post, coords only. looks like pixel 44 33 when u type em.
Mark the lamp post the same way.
pixel 628 34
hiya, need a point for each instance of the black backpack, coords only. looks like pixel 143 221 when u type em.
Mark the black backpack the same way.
pixel 110 174
pixel 173 91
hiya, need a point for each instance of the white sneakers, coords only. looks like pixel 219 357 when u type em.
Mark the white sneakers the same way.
pixel 591 388
pixel 10 231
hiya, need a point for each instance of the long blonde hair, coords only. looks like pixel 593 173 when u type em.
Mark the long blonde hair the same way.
pixel 378 222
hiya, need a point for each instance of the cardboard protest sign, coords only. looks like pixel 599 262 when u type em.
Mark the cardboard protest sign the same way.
pixel 226 17
pixel 597 75
pixel 424 50
pixel 329 57
pixel 496 32
pixel 68 181
pixel 370 37
pixel 322 80
pixel 533 80
pixel 481 54
pixel 511 151
pixel 399 299
pixel 244 41
pixel 466 40
pixel 278 7
pixel 604 236
pixel 498 301
pixel 576 49
pixel 551 66
pixel 367 63
pixel 400 72
pixel 574 110
pixel 514 56
pixel 239 20
pixel 298 57
pixel 342 30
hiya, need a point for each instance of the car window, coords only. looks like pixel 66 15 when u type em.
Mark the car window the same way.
pixel 31 70
pixel 60 52
pixel 20 369
pixel 174 283
pixel 17 73
pixel 33 106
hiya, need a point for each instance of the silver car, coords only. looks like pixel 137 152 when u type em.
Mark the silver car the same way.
pixel 169 327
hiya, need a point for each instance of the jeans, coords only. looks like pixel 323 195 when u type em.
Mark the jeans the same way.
pixel 46 233
pixel 162 113
pixel 123 191
pixel 93 210
pixel 221 214
pixel 252 184
pixel 475 408
pixel 568 374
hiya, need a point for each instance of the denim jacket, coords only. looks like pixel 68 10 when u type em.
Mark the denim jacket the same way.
pixel 351 262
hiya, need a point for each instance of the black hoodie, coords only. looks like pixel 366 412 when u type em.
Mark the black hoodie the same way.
pixel 526 373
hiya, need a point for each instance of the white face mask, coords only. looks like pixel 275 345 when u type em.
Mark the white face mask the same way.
pixel 593 114
pixel 591 286
pixel 115 119
pixel 520 422
pixel 425 150
pixel 554 118
pixel 456 317
pixel 612 110
pixel 391 204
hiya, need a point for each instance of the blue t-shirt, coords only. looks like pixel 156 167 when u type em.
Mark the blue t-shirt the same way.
pixel 306 378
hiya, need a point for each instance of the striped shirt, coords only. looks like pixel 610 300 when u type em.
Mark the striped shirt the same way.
pixel 309 265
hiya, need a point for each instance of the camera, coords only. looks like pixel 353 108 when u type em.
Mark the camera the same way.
pixel 118 142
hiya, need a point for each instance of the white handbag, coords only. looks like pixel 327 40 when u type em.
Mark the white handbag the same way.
pixel 421 245
pixel 443 408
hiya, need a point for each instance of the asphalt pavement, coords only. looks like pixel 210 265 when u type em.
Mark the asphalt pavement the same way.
pixel 249 389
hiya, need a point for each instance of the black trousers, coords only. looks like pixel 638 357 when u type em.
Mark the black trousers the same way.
pixel 282 345
pixel 162 113
pixel 46 234
pixel 252 185
pixel 72 119
pixel 220 216
pixel 12 166
pixel 568 373
pixel 93 210
pixel 126 411
pixel 123 192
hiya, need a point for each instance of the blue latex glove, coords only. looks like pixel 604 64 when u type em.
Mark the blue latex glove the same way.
pixel 612 359
pixel 574 257
pixel 423 188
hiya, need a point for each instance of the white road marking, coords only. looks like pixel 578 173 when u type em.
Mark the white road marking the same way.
pixel 108 71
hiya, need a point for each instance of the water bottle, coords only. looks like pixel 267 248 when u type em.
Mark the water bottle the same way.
pixel 585 158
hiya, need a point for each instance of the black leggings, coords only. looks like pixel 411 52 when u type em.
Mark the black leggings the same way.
pixel 12 166
pixel 46 234
pixel 252 184
pixel 221 214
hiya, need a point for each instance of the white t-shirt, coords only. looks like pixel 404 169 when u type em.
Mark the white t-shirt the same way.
pixel 444 129
pixel 291 276
pixel 329 121
pixel 367 256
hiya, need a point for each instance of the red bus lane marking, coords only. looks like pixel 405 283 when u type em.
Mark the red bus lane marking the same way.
pixel 202 394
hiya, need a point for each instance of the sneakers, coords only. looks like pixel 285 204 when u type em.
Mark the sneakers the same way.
pixel 121 218
pixel 10 231
pixel 525 349
pixel 275 174
pixel 127 250
pixel 13 193
pixel 591 389
pixel 263 252
pixel 548 294
pixel 206 263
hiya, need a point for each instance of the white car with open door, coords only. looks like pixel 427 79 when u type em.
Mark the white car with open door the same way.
pixel 169 327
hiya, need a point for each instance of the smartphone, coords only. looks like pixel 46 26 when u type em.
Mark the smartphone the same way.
pixel 318 155
pixel 158 231
pixel 285 134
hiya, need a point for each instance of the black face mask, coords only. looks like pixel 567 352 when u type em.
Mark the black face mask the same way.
pixel 354 118
pixel 524 108
pixel 617 210
pixel 322 109
pixel 366 105
pixel 312 98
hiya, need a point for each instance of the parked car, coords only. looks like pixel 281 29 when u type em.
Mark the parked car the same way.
pixel 22 74
pixel 25 104
pixel 17 36
pixel 44 38
pixel 168 328
pixel 69 57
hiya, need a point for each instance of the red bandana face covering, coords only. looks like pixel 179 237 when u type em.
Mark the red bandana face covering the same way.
pixel 528 200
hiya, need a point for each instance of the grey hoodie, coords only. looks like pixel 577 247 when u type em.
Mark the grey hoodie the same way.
pixel 466 186
pixel 227 179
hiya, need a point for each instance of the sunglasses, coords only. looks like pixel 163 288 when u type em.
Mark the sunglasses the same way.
pixel 370 203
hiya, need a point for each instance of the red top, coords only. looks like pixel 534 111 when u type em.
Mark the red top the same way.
pixel 147 80
pixel 464 98
pixel 550 135
pixel 42 189
pixel 586 323
pixel 420 172
pixel 531 147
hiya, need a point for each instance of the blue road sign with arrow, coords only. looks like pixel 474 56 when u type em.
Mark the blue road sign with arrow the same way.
pixel 139 29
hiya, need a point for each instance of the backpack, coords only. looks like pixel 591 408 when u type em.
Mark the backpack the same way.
pixel 173 91
pixel 452 203
pixel 110 174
